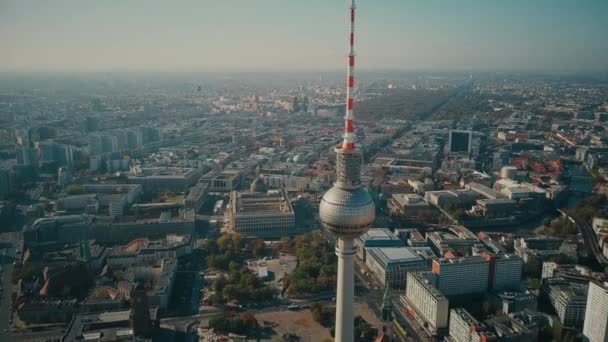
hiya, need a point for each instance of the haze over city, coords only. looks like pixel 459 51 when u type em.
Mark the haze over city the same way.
pixel 299 171
pixel 244 35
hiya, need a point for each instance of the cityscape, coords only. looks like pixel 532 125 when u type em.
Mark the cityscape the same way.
pixel 354 201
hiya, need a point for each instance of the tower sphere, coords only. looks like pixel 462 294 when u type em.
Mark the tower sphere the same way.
pixel 347 213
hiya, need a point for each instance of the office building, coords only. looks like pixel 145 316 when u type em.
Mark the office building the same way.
pixel 58 153
pixel 261 214
pixel 462 276
pixel 145 251
pixel 568 299
pixel 505 271
pixel 376 237
pixel 595 328
pixel 27 156
pixel 222 181
pixel 464 327
pixel 197 196
pixel 390 265
pixel 425 302
pixel 165 178
pixel 411 207
pixel 571 272
pixel 106 326
pixel 7 182
pixel 517 301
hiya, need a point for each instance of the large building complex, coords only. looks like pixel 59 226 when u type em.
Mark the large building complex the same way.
pixel 222 181
pixel 165 179
pixel 262 214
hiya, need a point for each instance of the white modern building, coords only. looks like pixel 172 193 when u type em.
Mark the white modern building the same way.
pixel 595 328
pixel 463 326
pixel 425 302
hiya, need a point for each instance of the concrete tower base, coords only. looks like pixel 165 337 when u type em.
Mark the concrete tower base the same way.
pixel 345 296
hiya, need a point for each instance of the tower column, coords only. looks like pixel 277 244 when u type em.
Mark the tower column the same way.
pixel 345 322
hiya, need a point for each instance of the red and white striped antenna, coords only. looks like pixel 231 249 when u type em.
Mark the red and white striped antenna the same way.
pixel 349 135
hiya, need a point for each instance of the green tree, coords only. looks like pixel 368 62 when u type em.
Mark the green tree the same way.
pixel 533 268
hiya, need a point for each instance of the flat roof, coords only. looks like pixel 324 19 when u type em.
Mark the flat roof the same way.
pixel 376 234
pixel 394 254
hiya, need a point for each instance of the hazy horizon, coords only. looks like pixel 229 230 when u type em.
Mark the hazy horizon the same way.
pixel 276 35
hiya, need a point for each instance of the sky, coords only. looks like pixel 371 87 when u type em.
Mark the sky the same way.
pixel 258 35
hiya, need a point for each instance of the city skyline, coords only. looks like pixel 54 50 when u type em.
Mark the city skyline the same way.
pixel 272 35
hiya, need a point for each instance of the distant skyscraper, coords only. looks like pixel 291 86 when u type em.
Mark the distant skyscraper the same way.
pixel 27 156
pixel 460 141
pixel 22 137
pixel 92 123
pixel 140 312
pixel 347 209
pixel 596 316
pixel 7 182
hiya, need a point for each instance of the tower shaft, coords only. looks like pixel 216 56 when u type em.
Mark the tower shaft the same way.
pixel 345 322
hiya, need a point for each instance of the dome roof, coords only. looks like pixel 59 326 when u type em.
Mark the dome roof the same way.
pixel 347 213
pixel 299 159
pixel 290 160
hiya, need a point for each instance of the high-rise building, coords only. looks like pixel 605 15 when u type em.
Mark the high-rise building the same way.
pixel 22 137
pixel 134 139
pixel 462 276
pixel 595 328
pixel 347 210
pixel 140 312
pixel 463 326
pixel 568 299
pixel 109 143
pixel 47 151
pixel 425 302
pixel 7 182
pixel 91 123
pixel 505 271
pixel 27 156
pixel 58 153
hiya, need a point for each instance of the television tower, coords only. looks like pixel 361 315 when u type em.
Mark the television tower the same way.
pixel 347 210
